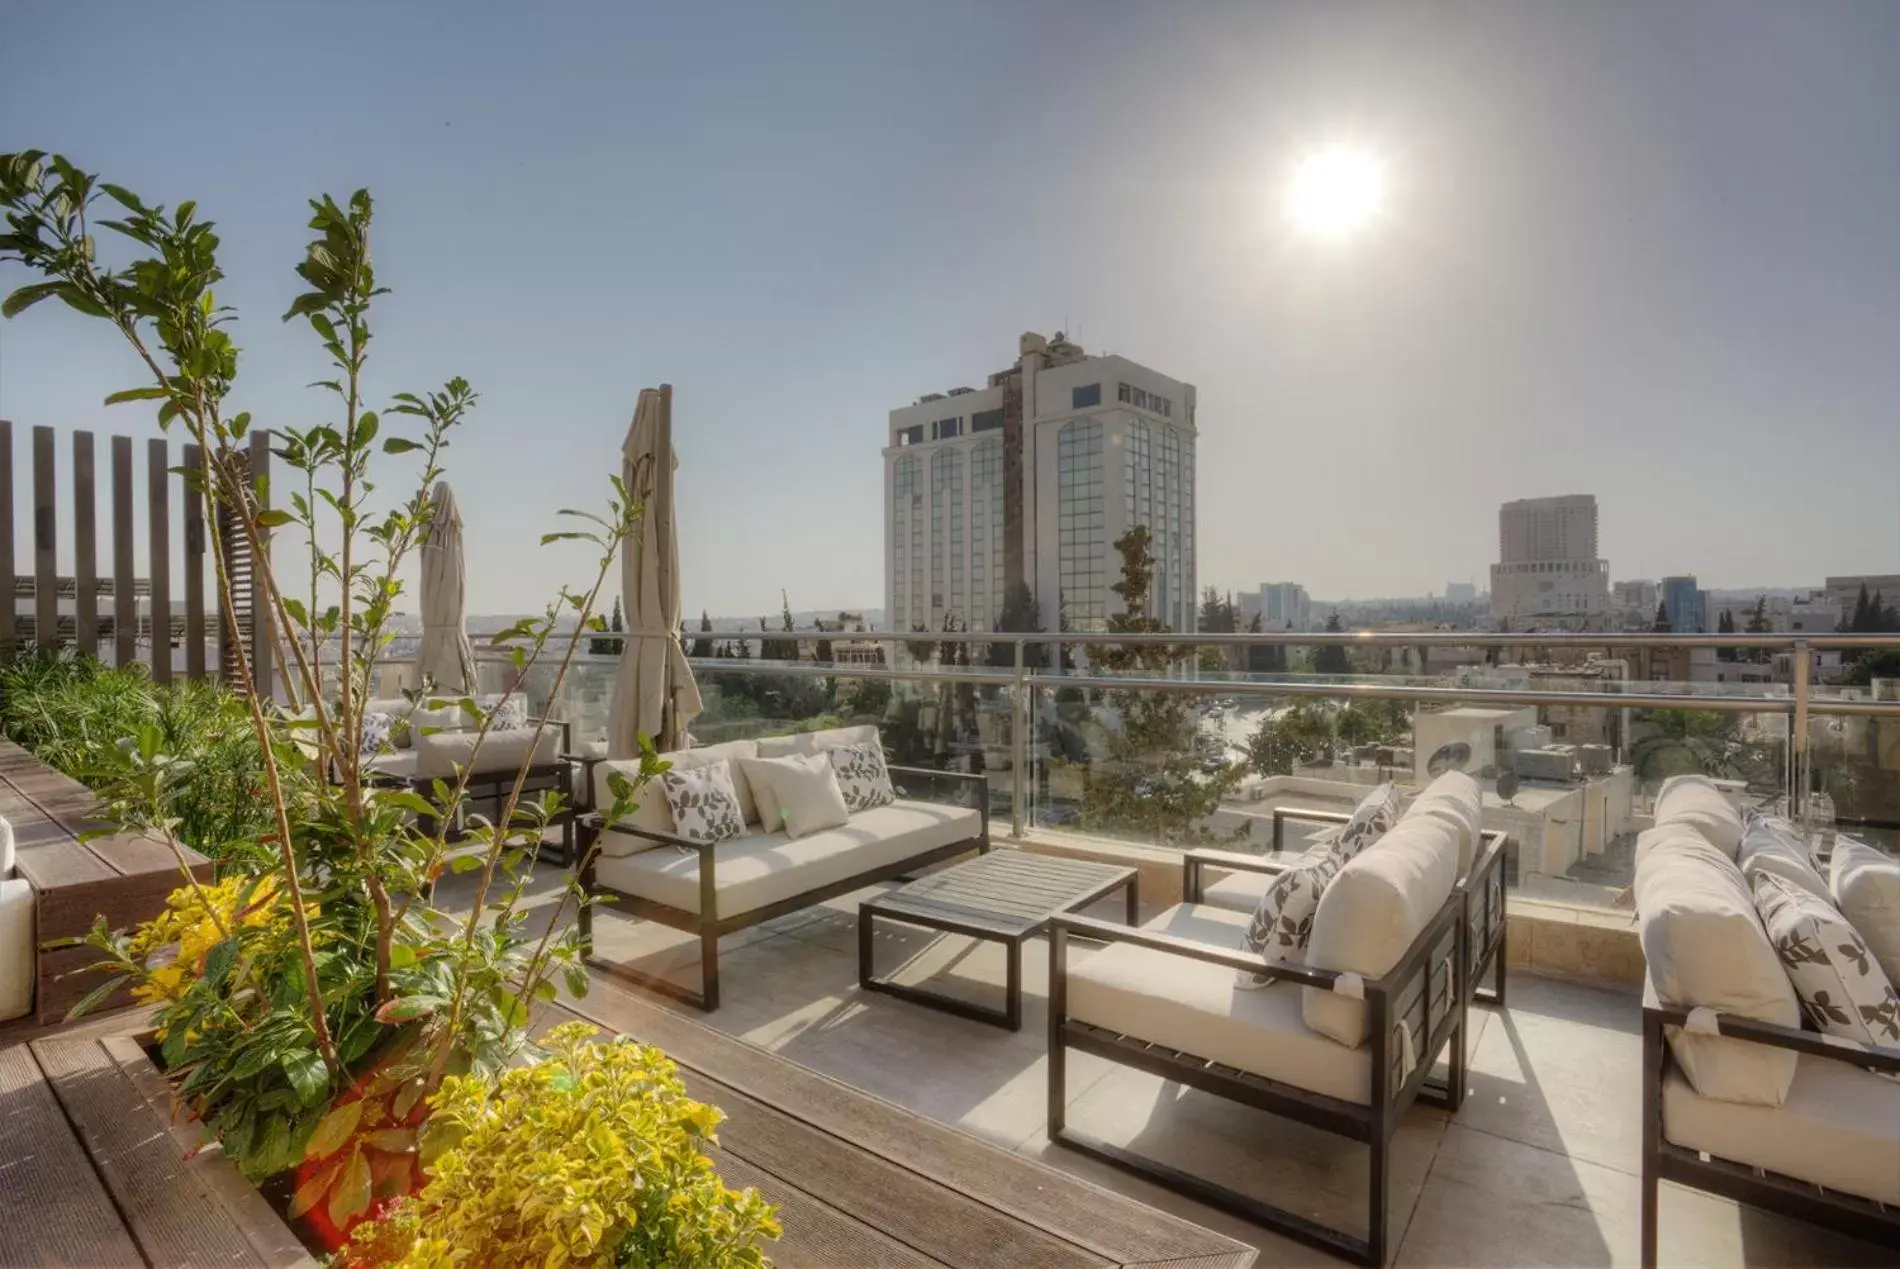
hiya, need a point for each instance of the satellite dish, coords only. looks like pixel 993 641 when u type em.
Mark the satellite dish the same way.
pixel 1507 785
pixel 1451 757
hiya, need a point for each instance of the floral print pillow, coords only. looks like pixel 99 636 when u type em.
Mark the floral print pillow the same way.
pixel 1283 922
pixel 704 803
pixel 510 715
pixel 1375 816
pixel 1843 991
pixel 377 726
pixel 862 776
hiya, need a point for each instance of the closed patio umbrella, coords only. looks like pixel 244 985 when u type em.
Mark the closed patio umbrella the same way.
pixel 445 656
pixel 654 692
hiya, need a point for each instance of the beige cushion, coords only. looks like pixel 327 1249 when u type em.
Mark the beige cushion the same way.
pixel 1694 800
pixel 1777 847
pixel 652 813
pixel 17 907
pixel 1455 798
pixel 1839 1126
pixel 1195 1007
pixel 763 869
pixel 1865 882
pixel 1706 947
pixel 444 753
pixel 1237 891
pixel 771 817
pixel 813 741
pixel 1372 911
pixel 805 789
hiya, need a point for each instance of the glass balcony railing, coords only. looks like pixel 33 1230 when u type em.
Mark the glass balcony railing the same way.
pixel 1571 736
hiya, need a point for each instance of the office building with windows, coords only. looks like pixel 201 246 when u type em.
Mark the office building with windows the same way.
pixel 1548 572
pixel 1030 480
pixel 1687 606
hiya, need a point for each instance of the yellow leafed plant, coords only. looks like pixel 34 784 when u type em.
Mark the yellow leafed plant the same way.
pixel 593 1157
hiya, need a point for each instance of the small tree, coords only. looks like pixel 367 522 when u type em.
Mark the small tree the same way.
pixel 703 646
pixel 1152 782
pixel 1661 624
pixel 1331 658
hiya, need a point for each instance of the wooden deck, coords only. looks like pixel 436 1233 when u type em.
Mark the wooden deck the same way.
pixel 95 1172
pixel 122 877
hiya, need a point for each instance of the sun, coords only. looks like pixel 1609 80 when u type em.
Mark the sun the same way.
pixel 1337 192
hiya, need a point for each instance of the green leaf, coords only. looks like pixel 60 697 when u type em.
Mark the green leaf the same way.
pixel 545 990
pixel 334 1129
pixel 465 863
pixel 27 296
pixel 350 1199
pixel 366 425
pixel 94 998
pixel 409 1008
pixel 399 445
pixel 307 1076
pixel 401 956
pixel 153 393
pixel 315 1186
pixel 218 962
pixel 394 1140
pixel 273 518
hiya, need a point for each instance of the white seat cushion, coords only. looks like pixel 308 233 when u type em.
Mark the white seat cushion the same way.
pixel 814 741
pixel 1196 1008
pixel 1372 911
pixel 1705 947
pixel 1238 891
pixel 1454 798
pixel 652 813
pixel 763 869
pixel 1694 800
pixel 1865 882
pixel 1839 1127
pixel 16 948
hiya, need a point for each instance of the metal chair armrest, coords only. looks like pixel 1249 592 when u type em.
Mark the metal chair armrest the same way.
pixel 1878 1057
pixel 1194 862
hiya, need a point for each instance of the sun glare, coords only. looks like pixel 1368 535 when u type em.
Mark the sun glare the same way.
pixel 1336 192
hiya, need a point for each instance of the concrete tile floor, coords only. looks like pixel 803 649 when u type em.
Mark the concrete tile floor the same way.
pixel 1539 1168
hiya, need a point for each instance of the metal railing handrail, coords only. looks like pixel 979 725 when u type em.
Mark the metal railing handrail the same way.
pixel 1785 642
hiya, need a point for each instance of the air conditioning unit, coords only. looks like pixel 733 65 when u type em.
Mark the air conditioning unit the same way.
pixel 1596 759
pixel 1550 763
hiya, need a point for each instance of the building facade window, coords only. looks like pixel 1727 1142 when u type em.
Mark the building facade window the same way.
pixel 986 421
pixel 911 435
pixel 1086 397
pixel 946 529
pixel 947 428
pixel 1081 563
pixel 907 541
pixel 986 534
pixel 1144 400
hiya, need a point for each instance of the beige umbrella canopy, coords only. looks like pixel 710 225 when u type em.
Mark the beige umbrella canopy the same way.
pixel 654 692
pixel 445 656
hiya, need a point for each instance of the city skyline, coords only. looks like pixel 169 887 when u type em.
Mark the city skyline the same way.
pixel 1602 265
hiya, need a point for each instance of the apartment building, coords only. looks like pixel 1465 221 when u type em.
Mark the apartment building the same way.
pixel 1030 479
pixel 1548 571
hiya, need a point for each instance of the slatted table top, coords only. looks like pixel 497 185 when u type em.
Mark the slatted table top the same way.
pixel 1009 893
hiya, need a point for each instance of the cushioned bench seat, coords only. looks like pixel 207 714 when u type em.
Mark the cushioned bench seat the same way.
pixel 1840 1127
pixel 1195 1007
pixel 762 869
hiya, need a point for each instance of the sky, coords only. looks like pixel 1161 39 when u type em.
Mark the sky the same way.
pixel 1645 250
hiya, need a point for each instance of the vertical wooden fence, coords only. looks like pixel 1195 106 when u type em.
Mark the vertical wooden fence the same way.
pixel 103 617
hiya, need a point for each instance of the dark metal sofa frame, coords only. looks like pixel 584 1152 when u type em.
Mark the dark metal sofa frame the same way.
pixel 709 928
pixel 1487 940
pixel 1757 1187
pixel 494 785
pixel 1426 988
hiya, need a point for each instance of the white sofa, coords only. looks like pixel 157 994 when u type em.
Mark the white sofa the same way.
pixel 1345 1039
pixel 715 889
pixel 16 934
pixel 1739 1099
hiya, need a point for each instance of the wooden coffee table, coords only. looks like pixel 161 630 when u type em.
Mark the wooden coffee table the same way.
pixel 1007 897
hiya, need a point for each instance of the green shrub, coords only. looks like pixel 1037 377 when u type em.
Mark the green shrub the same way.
pixel 593 1157
pixel 92 721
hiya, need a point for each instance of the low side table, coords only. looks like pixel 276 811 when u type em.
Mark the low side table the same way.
pixel 1007 897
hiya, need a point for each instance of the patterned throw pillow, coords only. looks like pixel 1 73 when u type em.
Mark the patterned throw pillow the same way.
pixel 510 715
pixel 1843 991
pixel 376 728
pixel 1283 922
pixel 862 776
pixel 1372 819
pixel 704 803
